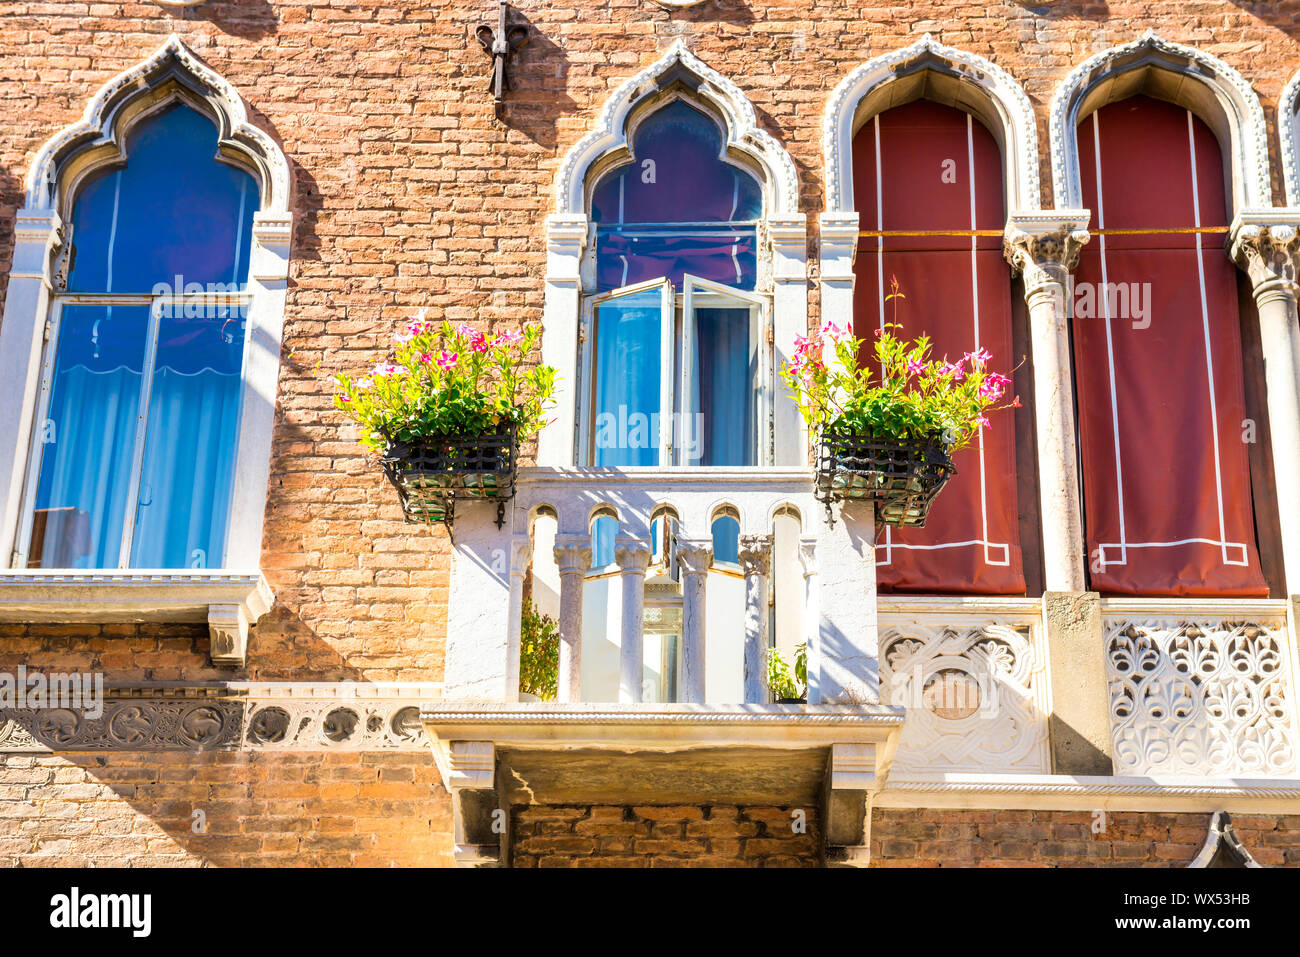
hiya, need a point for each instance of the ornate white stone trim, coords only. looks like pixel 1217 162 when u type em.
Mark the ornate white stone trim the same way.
pixel 1195 691
pixel 231 716
pixel 230 602
pixel 1222 836
pixel 64 160
pixel 974 681
pixel 96 127
pixel 1227 90
pixel 1089 793
pixel 781 181
pixel 996 87
pixel 1288 133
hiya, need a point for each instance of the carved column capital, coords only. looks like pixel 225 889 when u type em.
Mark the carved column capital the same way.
pixel 521 554
pixel 632 556
pixel 755 554
pixel 1266 245
pixel 573 554
pixel 808 556
pixel 1044 247
pixel 695 556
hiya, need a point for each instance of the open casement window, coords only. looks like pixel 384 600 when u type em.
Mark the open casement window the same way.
pixel 679 376
pixel 133 455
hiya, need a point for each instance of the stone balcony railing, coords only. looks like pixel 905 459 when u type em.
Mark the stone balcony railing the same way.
pixel 832 604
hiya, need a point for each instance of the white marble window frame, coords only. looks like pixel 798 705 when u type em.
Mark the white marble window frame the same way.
pixel 782 238
pixel 170 73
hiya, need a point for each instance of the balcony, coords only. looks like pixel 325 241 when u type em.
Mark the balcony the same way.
pixel 662 679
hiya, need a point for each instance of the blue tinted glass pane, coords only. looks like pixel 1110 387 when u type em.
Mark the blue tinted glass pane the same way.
pixel 603 532
pixel 190 443
pixel 173 210
pixel 677 175
pixel 88 437
pixel 628 364
pixel 626 256
pixel 726 539
pixel 725 384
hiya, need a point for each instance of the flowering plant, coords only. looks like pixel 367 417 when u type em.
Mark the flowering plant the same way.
pixel 917 398
pixel 443 381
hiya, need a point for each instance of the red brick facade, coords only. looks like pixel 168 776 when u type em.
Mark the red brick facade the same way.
pixel 408 193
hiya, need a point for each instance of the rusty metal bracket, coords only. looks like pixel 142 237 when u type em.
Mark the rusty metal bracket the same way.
pixel 500 44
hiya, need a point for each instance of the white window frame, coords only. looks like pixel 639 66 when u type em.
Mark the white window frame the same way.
pixel 96 141
pixel 782 237
pixel 676 311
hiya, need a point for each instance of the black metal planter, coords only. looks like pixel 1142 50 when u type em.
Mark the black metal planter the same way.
pixel 432 475
pixel 901 478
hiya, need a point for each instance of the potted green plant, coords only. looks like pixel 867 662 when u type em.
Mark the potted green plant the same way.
pixel 788 687
pixel 888 436
pixel 539 655
pixel 448 412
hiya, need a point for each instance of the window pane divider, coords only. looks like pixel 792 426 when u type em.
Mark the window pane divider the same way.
pixel 142 422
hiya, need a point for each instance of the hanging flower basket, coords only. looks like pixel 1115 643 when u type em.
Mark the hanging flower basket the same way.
pixel 900 478
pixel 432 475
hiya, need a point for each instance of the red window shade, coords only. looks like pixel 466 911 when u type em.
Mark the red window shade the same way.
pixel 1166 475
pixel 926 168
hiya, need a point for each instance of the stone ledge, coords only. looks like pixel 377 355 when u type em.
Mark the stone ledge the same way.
pixel 230 602
pixel 493 756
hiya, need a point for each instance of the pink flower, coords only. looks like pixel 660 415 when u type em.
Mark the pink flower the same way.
pixel 953 369
pixel 446 359
pixel 385 368
pixel 426 357
pixel 978 357
pixel 511 337
pixel 915 367
pixel 346 398
pixel 835 332
pixel 982 422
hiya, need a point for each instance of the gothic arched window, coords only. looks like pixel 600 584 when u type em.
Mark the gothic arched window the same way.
pixel 133 457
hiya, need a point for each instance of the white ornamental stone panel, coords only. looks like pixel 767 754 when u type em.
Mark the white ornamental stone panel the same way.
pixel 974 683
pixel 1201 694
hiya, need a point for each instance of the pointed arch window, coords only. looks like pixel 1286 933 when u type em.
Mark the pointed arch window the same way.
pixel 1158 357
pixel 676 346
pixel 928 186
pixel 132 462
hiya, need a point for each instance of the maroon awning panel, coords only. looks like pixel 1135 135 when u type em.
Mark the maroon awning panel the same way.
pixel 1158 362
pixel 931 169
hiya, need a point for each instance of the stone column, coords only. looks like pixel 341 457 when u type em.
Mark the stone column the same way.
pixel 633 557
pixel 756 564
pixel 566 236
pixel 1044 248
pixel 573 556
pixel 36 233
pixel 694 557
pixel 789 238
pixel 811 615
pixel 521 555
pixel 1266 244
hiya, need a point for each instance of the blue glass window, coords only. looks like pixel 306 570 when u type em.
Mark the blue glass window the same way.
pixel 136 445
pixel 677 208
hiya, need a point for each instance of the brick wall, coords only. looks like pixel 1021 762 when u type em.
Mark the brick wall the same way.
pixel 408 192
pixel 624 836
pixel 946 838
pixel 258 809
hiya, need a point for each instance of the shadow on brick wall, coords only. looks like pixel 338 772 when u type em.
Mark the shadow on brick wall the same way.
pixel 539 77
pixel 247 19
pixel 1059 9
pixel 1282 14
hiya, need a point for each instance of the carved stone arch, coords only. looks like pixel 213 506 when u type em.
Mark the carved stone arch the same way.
pixel 1182 75
pixel 171 73
pixel 1288 131
pixel 742 134
pixel 929 70
pixel 1222 847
